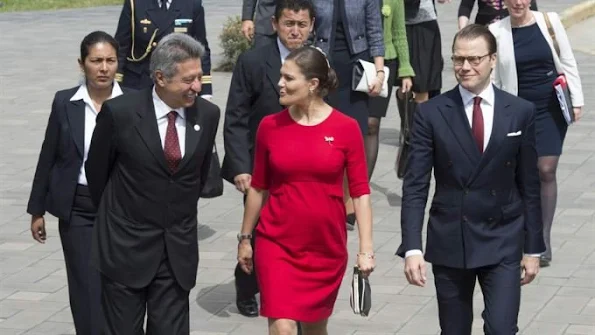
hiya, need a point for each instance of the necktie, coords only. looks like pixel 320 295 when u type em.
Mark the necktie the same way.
pixel 171 148
pixel 164 5
pixel 477 123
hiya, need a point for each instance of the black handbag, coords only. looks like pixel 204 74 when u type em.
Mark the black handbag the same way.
pixel 406 109
pixel 214 184
pixel 361 293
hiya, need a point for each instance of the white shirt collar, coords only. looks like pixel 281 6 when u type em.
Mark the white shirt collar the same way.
pixel 282 50
pixel 162 109
pixel 487 95
pixel 83 93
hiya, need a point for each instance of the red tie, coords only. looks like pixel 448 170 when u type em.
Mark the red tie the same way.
pixel 477 125
pixel 173 155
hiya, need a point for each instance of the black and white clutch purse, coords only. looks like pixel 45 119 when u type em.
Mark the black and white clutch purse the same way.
pixel 364 73
pixel 361 294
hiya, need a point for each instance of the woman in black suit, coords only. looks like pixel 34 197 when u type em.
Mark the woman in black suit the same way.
pixel 59 186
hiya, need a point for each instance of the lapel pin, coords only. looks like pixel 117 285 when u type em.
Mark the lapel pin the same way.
pixel 196 127
pixel 329 139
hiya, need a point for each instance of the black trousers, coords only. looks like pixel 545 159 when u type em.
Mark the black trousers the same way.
pixel 246 284
pixel 164 301
pixel 84 288
pixel 501 288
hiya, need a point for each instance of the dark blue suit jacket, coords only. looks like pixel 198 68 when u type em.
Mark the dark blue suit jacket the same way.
pixel 61 157
pixel 486 208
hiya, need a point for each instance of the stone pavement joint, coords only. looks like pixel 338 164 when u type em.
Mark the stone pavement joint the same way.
pixel 41 50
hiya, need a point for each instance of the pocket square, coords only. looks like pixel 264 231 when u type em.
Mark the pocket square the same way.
pixel 516 133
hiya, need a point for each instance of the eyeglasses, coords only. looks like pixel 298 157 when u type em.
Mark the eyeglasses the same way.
pixel 473 60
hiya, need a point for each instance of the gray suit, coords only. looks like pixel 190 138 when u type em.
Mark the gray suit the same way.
pixel 260 11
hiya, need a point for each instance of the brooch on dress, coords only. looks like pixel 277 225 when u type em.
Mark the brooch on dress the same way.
pixel 329 139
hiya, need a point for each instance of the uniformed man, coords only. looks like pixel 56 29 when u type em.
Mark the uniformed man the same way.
pixel 143 23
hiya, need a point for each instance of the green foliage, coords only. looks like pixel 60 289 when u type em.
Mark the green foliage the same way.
pixel 232 42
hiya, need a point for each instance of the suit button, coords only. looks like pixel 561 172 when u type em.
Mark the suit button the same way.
pixel 465 218
pixel 490 219
pixel 493 192
pixel 508 163
pixel 466 191
pixel 171 181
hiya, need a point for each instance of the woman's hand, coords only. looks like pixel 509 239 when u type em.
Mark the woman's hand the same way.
pixel 245 256
pixel 406 84
pixel 376 87
pixel 366 263
pixel 578 113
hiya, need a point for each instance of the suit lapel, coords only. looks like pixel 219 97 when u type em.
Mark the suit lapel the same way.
pixel 273 68
pixel 501 122
pixel 148 130
pixel 454 114
pixel 75 112
pixel 194 131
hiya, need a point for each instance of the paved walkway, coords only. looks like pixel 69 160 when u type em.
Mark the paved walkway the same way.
pixel 39 52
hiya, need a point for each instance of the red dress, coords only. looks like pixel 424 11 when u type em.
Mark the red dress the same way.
pixel 301 238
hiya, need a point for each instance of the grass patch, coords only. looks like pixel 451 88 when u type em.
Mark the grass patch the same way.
pixel 30 5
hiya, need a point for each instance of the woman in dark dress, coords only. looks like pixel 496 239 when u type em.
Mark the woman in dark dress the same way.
pixel 529 61
pixel 60 183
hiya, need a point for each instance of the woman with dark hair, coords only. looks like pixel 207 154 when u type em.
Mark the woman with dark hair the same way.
pixel 301 156
pixel 60 184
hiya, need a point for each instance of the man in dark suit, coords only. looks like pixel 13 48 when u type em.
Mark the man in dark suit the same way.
pixel 143 23
pixel 485 218
pixel 256 21
pixel 148 162
pixel 254 94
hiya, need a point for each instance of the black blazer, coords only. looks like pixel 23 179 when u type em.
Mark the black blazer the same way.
pixel 486 208
pixel 61 157
pixel 253 94
pixel 150 21
pixel 143 210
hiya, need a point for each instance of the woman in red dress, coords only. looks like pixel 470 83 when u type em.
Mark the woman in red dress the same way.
pixel 296 195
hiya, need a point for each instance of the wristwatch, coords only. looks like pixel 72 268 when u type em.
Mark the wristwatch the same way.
pixel 242 237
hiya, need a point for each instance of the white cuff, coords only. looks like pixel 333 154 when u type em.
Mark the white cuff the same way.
pixel 413 252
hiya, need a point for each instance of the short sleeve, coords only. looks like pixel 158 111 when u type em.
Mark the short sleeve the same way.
pixel 357 169
pixel 260 172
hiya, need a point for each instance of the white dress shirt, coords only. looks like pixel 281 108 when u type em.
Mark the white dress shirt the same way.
pixel 282 50
pixel 487 109
pixel 167 4
pixel 90 116
pixel 161 111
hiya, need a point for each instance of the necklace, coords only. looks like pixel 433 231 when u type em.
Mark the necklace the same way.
pixel 530 22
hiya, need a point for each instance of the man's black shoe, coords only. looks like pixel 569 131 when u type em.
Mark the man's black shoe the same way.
pixel 248 307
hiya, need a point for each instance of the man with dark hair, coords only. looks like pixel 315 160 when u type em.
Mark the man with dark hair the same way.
pixel 148 163
pixel 485 218
pixel 254 94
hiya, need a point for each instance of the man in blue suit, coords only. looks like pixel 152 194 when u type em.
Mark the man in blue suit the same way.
pixel 485 217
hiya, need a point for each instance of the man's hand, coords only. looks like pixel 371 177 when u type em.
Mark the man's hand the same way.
pixel 248 29
pixel 245 254
pixel 415 270
pixel 529 269
pixel 38 228
pixel 242 182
